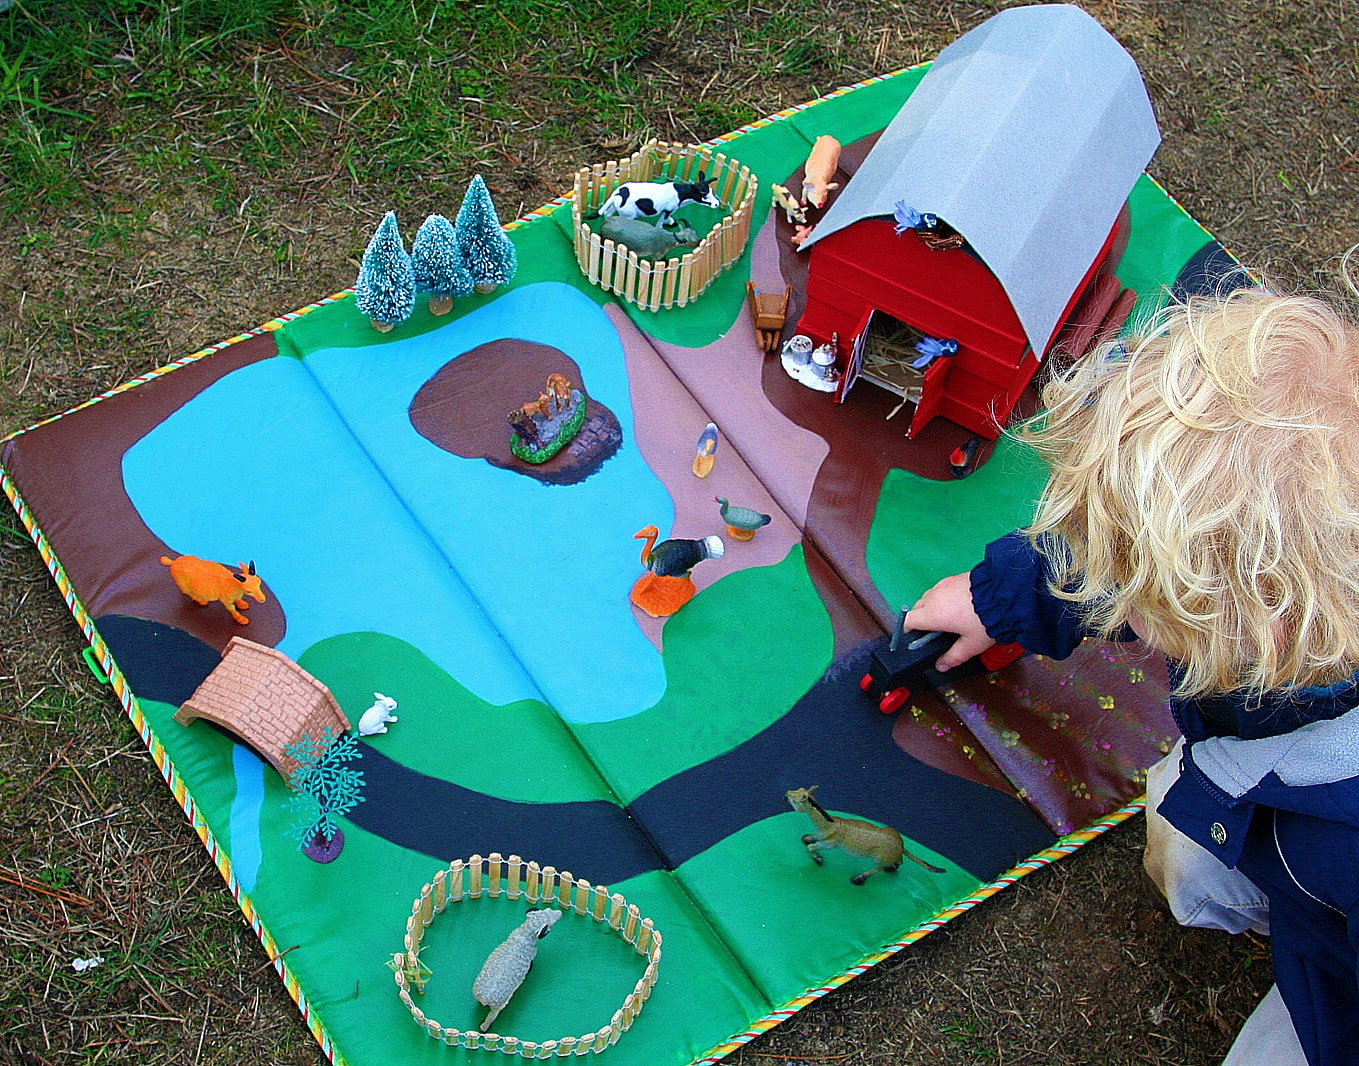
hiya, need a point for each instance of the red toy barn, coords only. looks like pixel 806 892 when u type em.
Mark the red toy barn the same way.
pixel 1025 138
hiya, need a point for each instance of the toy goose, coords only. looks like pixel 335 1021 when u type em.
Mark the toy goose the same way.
pixel 742 522
pixel 507 966
pixel 667 586
pixel 675 558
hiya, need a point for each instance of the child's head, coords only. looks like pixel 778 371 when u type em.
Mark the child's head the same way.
pixel 1205 484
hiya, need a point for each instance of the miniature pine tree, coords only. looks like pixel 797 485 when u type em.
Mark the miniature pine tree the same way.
pixel 438 267
pixel 324 788
pixel 385 289
pixel 482 244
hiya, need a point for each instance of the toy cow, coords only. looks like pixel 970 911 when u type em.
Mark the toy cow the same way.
pixel 207 582
pixel 651 198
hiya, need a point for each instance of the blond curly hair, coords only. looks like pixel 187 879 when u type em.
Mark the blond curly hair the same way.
pixel 1205 489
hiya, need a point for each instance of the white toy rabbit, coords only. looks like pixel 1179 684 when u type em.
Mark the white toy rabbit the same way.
pixel 375 719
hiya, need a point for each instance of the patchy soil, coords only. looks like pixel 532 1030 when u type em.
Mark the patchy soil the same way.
pixel 1079 963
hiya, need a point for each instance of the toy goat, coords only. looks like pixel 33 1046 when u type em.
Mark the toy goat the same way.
pixel 651 198
pixel 819 169
pixel 375 719
pixel 792 210
pixel 207 582
pixel 507 966
pixel 879 842
pixel 648 241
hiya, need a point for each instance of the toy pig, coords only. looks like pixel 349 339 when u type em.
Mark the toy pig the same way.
pixel 375 719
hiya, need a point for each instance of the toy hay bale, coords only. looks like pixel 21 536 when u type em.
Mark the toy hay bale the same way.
pixel 675 281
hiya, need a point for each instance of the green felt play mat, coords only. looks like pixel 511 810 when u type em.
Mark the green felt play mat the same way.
pixel 539 714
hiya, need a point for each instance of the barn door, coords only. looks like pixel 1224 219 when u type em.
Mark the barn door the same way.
pixel 931 394
pixel 855 363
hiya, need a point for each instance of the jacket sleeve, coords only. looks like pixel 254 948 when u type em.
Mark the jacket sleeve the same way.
pixel 1313 770
pixel 1011 597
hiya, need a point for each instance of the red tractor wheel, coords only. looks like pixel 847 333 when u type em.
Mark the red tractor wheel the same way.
pixel 999 656
pixel 894 700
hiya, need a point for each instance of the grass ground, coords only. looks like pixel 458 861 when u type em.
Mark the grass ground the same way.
pixel 171 174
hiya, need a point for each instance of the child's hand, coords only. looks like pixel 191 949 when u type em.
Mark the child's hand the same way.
pixel 948 607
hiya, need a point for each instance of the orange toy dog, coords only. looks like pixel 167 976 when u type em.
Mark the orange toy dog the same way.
pixel 207 582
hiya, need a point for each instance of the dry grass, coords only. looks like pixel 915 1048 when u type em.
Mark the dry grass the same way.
pixel 175 233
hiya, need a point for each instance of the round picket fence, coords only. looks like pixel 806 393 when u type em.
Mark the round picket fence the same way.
pixel 514 879
pixel 675 281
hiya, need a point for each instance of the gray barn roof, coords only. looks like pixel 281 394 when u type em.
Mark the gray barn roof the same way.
pixel 1026 135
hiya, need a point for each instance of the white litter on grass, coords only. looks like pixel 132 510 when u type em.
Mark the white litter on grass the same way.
pixel 81 965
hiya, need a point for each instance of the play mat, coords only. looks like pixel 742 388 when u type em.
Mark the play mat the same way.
pixel 404 551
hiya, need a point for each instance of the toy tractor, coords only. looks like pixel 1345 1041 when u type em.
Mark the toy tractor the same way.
pixel 905 664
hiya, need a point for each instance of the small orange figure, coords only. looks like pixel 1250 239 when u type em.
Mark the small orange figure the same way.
pixel 207 582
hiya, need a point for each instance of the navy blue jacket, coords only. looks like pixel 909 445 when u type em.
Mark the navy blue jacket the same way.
pixel 1269 786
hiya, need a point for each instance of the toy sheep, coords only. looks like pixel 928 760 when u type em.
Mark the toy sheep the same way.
pixel 648 241
pixel 881 843
pixel 507 966
pixel 375 719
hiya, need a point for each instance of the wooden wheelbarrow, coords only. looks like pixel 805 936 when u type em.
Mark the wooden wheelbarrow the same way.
pixel 767 311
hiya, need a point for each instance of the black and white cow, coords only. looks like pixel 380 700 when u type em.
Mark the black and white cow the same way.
pixel 651 198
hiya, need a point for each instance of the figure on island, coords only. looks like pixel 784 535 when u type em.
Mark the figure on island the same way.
pixel 485 251
pixel 742 522
pixel 543 427
pixel 439 269
pixel 324 788
pixel 385 288
pixel 205 582
pixel 881 843
pixel 667 586
pixel 507 966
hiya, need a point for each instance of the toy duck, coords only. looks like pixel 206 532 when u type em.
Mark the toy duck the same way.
pixel 742 522
pixel 667 586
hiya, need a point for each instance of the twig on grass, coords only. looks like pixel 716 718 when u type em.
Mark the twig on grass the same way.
pixel 65 897
pixel 52 765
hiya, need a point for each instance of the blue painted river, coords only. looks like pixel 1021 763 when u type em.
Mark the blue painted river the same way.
pixel 358 523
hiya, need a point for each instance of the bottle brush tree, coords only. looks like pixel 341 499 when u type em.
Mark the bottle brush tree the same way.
pixel 439 268
pixel 324 788
pixel 385 289
pixel 482 244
